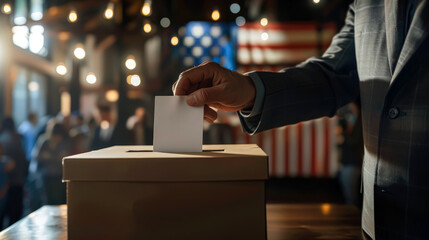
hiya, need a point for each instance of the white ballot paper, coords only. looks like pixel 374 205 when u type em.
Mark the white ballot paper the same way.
pixel 178 127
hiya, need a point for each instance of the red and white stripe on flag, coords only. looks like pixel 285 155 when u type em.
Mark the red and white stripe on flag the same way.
pixel 281 43
pixel 306 149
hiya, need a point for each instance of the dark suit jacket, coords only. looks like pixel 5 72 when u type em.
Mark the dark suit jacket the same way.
pixel 372 53
pixel 120 136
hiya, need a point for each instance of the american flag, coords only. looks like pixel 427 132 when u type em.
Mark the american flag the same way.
pixel 306 149
pixel 279 44
pixel 205 41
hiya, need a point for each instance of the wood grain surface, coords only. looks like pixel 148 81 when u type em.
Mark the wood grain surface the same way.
pixel 284 221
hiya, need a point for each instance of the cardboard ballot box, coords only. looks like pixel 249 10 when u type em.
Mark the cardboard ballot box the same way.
pixel 130 192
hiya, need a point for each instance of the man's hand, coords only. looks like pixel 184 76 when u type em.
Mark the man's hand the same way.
pixel 211 85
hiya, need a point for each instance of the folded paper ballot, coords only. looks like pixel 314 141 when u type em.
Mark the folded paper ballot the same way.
pixel 178 127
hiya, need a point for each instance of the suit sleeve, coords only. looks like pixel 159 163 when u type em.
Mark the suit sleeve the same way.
pixel 312 89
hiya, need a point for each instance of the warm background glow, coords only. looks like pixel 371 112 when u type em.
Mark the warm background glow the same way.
pixel 91 78
pixel 72 16
pixel 130 63
pixel 147 28
pixel 146 9
pixel 7 9
pixel 264 22
pixel 215 15
pixel 174 41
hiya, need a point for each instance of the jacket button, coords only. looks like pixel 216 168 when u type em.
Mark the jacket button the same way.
pixel 393 112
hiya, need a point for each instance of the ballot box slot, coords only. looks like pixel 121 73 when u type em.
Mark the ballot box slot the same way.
pixel 207 150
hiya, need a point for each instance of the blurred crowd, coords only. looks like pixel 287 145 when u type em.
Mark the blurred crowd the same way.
pixel 31 154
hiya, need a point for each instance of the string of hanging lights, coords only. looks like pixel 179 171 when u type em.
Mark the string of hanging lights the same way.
pixel 148 27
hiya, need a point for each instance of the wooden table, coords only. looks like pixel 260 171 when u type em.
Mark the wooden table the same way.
pixel 284 221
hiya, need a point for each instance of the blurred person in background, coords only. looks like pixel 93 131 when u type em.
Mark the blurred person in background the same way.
pixel 78 143
pixel 36 196
pixel 12 145
pixel 351 152
pixel 109 133
pixel 92 126
pixel 78 124
pixel 49 157
pixel 136 124
pixel 6 166
pixel 29 130
pixel 79 134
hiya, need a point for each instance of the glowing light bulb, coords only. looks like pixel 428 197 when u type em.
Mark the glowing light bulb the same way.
pixel 316 1
pixel 146 9
pixel 147 28
pixel 174 40
pixel 79 52
pixel 135 80
pixel 215 15
pixel 6 8
pixel 130 63
pixel 264 22
pixel 61 69
pixel 108 14
pixel 91 78
pixel 72 16
pixel 112 95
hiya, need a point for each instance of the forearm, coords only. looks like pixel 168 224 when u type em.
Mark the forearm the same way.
pixel 295 95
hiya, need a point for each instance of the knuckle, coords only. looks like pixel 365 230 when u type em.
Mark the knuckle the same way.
pixel 203 95
pixel 212 65
pixel 225 87
pixel 182 75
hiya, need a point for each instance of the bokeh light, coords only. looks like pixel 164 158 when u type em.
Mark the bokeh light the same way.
pixel 72 16
pixel 146 9
pixel 130 63
pixel 215 15
pixel 6 8
pixel 325 208
pixel 33 86
pixel 112 95
pixel 135 80
pixel 108 14
pixel 235 8
pixel 147 28
pixel 240 21
pixel 174 40
pixel 79 52
pixel 91 78
pixel 264 36
pixel 104 124
pixel 165 22
pixel 264 22
pixel 61 69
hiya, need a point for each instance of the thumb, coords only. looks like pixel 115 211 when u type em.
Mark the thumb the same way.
pixel 205 96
